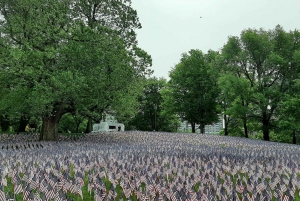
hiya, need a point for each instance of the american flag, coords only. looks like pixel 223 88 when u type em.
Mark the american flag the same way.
pixel 2 194
pixel 157 165
pixel 50 193
pixel 26 192
pixel 34 184
pixel 3 180
pixel 97 195
pixel 18 188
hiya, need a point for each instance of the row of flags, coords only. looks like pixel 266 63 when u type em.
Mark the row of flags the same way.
pixel 149 166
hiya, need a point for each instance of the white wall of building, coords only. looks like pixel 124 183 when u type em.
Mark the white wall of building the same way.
pixel 209 129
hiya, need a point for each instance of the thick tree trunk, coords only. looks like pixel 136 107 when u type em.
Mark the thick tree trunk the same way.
pixel 5 123
pixel 265 127
pixel 295 137
pixel 193 127
pixel 245 127
pixel 89 126
pixel 202 128
pixel 226 131
pixel 226 125
pixel 23 122
pixel 50 128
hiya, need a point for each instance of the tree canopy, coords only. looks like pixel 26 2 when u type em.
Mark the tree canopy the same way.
pixel 82 57
pixel 73 56
pixel 267 60
pixel 193 89
pixel 152 113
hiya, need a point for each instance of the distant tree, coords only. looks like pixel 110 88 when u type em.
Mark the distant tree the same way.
pixel 193 89
pixel 73 123
pixel 151 115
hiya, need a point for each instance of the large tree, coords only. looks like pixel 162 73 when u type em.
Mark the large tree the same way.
pixel 265 59
pixel 193 89
pixel 70 56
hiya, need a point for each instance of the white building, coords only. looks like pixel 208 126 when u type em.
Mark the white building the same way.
pixel 109 124
pixel 209 129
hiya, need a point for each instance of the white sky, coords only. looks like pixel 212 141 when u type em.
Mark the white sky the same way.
pixel 172 27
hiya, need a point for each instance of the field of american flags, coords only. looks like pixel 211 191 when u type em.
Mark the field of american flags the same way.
pixel 148 166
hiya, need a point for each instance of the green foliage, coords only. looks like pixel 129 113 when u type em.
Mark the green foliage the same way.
pixel 192 89
pixel 234 98
pixel 151 112
pixel 257 70
pixel 72 123
pixel 283 136
pixel 290 107
pixel 70 57
pixel 77 62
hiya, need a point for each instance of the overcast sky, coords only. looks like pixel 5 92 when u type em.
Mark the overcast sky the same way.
pixel 172 27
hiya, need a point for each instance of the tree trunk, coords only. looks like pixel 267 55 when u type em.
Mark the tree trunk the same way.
pixel 77 127
pixel 295 137
pixel 265 127
pixel 5 123
pixel 226 131
pixel 23 122
pixel 193 127
pixel 244 118
pixel 89 126
pixel 202 128
pixel 245 127
pixel 50 127
pixel 226 125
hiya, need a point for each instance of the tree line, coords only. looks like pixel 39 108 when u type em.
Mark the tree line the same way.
pixel 253 82
pixel 68 63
